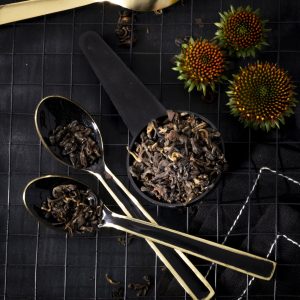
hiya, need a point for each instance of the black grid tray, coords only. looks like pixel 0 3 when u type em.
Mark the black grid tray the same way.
pixel 41 57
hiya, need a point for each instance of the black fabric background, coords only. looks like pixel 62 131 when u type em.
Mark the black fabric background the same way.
pixel 41 57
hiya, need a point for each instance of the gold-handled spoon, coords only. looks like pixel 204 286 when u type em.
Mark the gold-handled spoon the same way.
pixel 34 8
pixel 38 190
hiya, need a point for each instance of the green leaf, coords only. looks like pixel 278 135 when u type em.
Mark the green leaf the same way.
pixel 281 119
pixel 277 124
pixel 203 86
pixel 222 16
pixel 191 87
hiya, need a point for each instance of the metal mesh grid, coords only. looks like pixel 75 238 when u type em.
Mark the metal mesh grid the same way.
pixel 41 57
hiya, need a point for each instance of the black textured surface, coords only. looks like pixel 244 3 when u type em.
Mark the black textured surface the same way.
pixel 41 57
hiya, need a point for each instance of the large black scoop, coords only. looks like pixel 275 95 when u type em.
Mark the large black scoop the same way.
pixel 134 102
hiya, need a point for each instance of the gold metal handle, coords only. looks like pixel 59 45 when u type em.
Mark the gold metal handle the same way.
pixel 182 255
pixel 237 260
pixel 152 244
pixel 34 8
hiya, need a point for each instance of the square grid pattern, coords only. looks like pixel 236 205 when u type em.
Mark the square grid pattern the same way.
pixel 41 57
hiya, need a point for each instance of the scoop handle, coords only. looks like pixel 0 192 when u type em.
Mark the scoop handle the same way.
pixel 134 102
pixel 237 260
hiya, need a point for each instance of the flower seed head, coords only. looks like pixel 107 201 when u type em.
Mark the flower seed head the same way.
pixel 261 95
pixel 201 63
pixel 241 31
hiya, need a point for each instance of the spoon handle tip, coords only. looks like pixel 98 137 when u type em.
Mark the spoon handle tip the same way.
pixel 241 261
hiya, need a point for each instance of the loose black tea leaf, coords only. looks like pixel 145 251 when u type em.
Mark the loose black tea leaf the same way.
pixel 122 240
pixel 147 279
pixel 178 158
pixel 77 142
pixel 78 211
pixel 124 29
pixel 111 281
pixel 117 293
pixel 141 288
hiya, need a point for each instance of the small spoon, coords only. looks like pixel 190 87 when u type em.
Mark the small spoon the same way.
pixel 54 110
pixel 34 8
pixel 37 191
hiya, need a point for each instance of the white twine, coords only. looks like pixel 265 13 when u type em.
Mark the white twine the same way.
pixel 279 235
pixel 270 251
pixel 290 240
pixel 241 212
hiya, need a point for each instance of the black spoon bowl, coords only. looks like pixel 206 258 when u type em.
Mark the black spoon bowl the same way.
pixel 53 111
pixel 137 184
pixel 37 191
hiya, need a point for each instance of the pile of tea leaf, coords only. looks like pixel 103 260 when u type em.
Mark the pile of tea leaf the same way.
pixel 77 142
pixel 141 289
pixel 178 158
pixel 77 210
